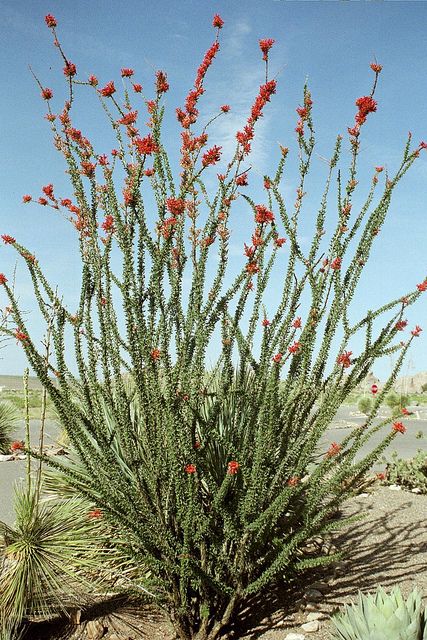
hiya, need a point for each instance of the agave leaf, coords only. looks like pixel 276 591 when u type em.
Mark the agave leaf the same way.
pixel 9 417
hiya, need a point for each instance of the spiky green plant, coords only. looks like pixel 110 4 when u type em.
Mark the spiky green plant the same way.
pixel 8 422
pixel 49 558
pixel 218 479
pixel 382 616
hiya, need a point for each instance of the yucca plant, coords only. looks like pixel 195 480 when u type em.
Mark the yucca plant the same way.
pixel 213 474
pixel 51 559
pixel 8 422
pixel 382 616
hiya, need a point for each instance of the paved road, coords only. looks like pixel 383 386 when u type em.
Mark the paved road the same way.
pixel 406 446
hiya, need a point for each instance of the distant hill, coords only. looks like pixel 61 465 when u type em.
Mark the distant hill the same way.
pixel 16 382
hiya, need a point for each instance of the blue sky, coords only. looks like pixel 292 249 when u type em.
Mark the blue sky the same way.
pixel 329 43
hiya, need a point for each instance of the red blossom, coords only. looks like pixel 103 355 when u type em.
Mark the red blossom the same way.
pixel 88 169
pixel 423 145
pixel 155 354
pixel 422 286
pixel 265 46
pixel 211 156
pixel 94 514
pixel 416 332
pixel 93 80
pixel 50 21
pixel 3 279
pixel 197 444
pixel 295 347
pixel 266 323
pixel 20 336
pixel 8 239
pixel 336 263
pixel 162 84
pixel 149 172
pixel 263 215
pixel 108 90
pixel 297 323
pixel 379 169
pixel 47 93
pixel 70 69
pixel 42 201
pixel 26 198
pixel 217 21
pixel 344 359
pixel 278 358
pixel 406 412
pixel 225 108
pixel 399 427
pixel 249 251
pixel 233 467
pixel 242 181
pixel 293 481
pixel 127 73
pixel 366 105
pixel 381 475
pixel 137 87
pixel 190 468
pixel 279 242
pixel 400 325
pixel 48 191
pixel 176 206
pixel 333 450
pixel 17 445
pixel 108 224
pixel 267 183
pixel 147 145
pixel 128 118
pixel 376 67
pixel 252 267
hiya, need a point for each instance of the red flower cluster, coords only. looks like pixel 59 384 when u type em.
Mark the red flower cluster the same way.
pixel 47 94
pixel 3 279
pixel 279 242
pixel 303 113
pixel 399 427
pixel 108 224
pixel 50 21
pixel 190 468
pixel 167 227
pixel 189 114
pixel 20 336
pixel 17 445
pixel 400 325
pixel 265 46
pixel 265 92
pixel 70 69
pixel 242 181
pixel 176 206
pixel 266 323
pixel 233 467
pixel 129 118
pixel 137 87
pixel 278 358
pixel 297 323
pixel 155 354
pixel 127 73
pixel 252 268
pixel 211 156
pixel 293 481
pixel 217 21
pixel 377 68
pixel 225 108
pixel 295 347
pixel 93 80
pixel 366 105
pixel 162 84
pixel 416 332
pixel 8 239
pixel 95 514
pixel 263 215
pixel 108 90
pixel 333 450
pixel 26 198
pixel 146 146
pixel 422 286
pixel 344 359
pixel 336 264
pixel 88 169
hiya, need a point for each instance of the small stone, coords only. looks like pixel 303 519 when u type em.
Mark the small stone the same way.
pixel 364 495
pixel 294 636
pixel 314 616
pixel 395 487
pixel 311 606
pixel 6 457
pixel 313 594
pixel 95 630
pixel 416 490
pixel 311 627
pixel 21 456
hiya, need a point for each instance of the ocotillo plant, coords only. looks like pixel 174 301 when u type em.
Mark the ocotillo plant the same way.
pixel 215 476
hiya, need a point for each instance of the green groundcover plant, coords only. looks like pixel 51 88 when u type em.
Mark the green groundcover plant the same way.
pixel 214 475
